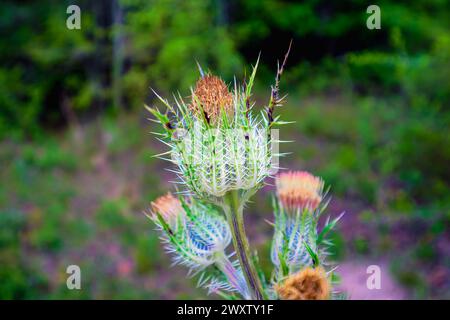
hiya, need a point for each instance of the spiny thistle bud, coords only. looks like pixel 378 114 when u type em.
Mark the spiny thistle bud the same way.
pixel 298 244
pixel 308 284
pixel 296 212
pixel 299 190
pixel 195 232
pixel 198 236
pixel 211 98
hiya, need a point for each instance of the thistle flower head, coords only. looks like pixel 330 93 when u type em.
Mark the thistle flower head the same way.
pixel 308 284
pixel 216 143
pixel 299 190
pixel 298 245
pixel 211 98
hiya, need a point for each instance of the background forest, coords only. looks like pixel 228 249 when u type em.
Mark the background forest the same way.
pixel 371 111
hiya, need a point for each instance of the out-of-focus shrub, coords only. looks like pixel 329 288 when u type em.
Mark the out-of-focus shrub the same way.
pixel 51 75
pixel 45 66
pixel 19 280
pixel 423 155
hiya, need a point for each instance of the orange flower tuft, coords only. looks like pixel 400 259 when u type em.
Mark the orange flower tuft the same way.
pixel 211 96
pixel 169 207
pixel 299 189
pixel 308 284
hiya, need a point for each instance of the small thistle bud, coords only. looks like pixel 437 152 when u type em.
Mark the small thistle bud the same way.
pixel 294 245
pixel 198 237
pixel 308 284
pixel 195 232
pixel 168 207
pixel 211 97
pixel 299 190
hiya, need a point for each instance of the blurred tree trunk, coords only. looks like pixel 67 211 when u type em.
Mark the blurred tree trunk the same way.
pixel 222 12
pixel 118 53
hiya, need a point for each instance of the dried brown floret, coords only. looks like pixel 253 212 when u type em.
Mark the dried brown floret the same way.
pixel 308 284
pixel 210 97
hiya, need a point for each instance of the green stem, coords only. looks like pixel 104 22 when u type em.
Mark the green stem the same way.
pixel 234 212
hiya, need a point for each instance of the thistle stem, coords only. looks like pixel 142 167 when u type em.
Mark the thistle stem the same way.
pixel 234 212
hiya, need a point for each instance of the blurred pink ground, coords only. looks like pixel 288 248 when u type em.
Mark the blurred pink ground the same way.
pixel 354 277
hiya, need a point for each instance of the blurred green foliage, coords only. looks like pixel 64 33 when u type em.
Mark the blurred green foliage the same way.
pixel 51 73
pixel 371 110
pixel 164 57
